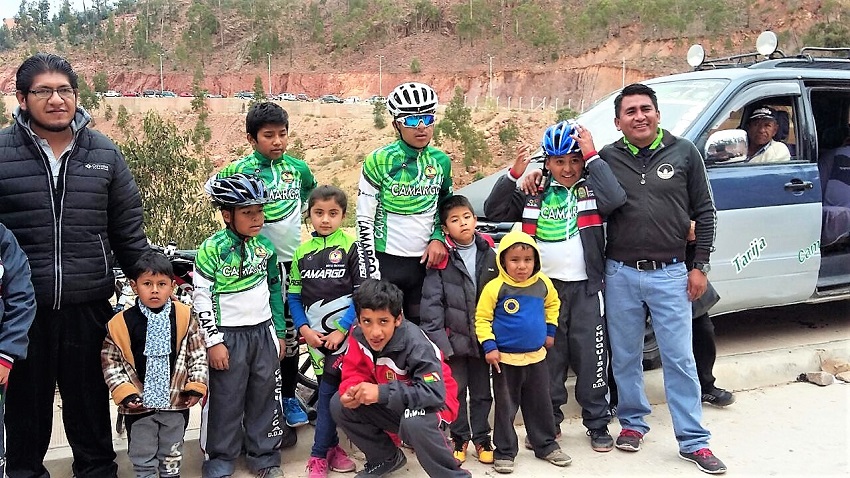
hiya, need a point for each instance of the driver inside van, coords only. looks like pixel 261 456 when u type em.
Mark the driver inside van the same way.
pixel 761 128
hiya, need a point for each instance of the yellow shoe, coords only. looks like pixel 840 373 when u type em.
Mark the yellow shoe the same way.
pixel 460 450
pixel 485 453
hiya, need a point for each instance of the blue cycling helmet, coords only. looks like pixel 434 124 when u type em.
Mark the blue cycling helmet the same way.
pixel 237 191
pixel 557 140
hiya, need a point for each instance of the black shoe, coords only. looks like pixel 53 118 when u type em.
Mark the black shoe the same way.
pixel 289 438
pixel 705 460
pixel 383 468
pixel 718 397
pixel 600 439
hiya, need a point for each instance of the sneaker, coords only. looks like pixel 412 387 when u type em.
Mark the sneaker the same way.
pixel 718 397
pixel 503 466
pixel 270 472
pixel 460 449
pixel 600 439
pixel 705 461
pixel 338 460
pixel 485 452
pixel 528 445
pixel 629 440
pixel 383 468
pixel 317 467
pixel 558 458
pixel 295 415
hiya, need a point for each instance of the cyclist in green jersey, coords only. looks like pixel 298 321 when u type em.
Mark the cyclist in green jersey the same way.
pixel 237 297
pixel 400 188
pixel 289 183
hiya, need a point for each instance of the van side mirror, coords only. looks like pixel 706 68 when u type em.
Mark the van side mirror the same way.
pixel 727 146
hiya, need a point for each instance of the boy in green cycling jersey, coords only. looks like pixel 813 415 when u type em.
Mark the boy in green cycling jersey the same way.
pixel 238 300
pixel 289 182
pixel 400 188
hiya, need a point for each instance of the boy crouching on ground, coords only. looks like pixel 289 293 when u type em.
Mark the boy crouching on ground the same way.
pixel 395 380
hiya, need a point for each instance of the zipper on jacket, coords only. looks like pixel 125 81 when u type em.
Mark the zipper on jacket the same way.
pixel 57 219
pixel 103 250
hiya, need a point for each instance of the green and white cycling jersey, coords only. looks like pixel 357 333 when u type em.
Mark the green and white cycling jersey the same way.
pixel 289 182
pixel 558 240
pixel 400 188
pixel 236 283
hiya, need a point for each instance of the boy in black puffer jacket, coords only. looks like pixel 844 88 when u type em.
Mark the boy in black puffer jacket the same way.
pixel 449 297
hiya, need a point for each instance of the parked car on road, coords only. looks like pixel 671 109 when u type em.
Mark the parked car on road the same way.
pixel 352 99
pixel 150 93
pixel 213 95
pixel 186 94
pixel 111 94
pixel 286 97
pixel 783 228
pixel 330 99
pixel 167 94
pixel 245 95
pixel 302 97
pixel 131 93
pixel 376 99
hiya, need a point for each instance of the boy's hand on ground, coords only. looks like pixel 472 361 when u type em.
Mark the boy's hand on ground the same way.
pixel 523 157
pixel 333 339
pixel 434 254
pixel 530 182
pixel 366 393
pixel 313 338
pixel 550 341
pixel 219 357
pixel 347 399
pixel 493 358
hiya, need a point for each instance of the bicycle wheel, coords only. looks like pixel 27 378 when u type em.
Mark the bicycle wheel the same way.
pixel 307 388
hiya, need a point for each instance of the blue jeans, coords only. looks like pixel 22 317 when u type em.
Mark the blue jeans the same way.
pixel 664 291
pixel 325 436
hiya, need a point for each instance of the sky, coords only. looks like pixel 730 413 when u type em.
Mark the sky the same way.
pixel 9 8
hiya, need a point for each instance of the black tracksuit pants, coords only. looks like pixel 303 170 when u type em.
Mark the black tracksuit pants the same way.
pixel 64 349
pixel 366 425
pixel 580 344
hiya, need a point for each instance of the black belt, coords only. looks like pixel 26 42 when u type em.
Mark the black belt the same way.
pixel 647 265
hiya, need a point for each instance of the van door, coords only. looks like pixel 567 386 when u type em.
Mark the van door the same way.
pixel 768 214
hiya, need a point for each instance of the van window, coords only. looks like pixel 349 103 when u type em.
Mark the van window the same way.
pixel 681 102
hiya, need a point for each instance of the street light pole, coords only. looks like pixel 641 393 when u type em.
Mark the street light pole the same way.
pixel 490 82
pixel 161 82
pixel 380 75
pixel 270 73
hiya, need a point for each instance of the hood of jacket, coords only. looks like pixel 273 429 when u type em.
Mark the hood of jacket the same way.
pixel 511 238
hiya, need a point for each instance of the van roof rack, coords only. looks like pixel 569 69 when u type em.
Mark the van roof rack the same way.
pixel 806 51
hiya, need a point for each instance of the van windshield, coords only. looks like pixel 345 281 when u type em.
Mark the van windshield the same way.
pixel 680 102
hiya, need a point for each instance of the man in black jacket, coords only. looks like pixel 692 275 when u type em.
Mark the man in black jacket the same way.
pixel 68 196
pixel 666 188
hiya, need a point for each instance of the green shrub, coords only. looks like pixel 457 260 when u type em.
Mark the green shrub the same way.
pixel 415 67
pixel 378 115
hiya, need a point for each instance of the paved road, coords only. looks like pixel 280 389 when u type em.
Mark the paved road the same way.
pixel 775 428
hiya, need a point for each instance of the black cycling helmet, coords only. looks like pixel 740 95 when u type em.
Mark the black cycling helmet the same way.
pixel 236 191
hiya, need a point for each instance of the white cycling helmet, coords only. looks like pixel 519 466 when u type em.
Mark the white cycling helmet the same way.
pixel 412 98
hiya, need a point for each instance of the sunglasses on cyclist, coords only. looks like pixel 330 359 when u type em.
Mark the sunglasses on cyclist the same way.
pixel 412 121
